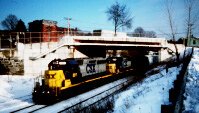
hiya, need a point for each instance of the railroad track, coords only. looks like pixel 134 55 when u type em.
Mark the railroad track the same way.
pixel 29 108
pixel 79 102
pixel 82 101
pixel 97 98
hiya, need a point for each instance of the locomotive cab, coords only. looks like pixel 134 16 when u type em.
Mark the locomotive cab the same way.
pixel 117 64
pixel 60 75
pixel 114 64
pixel 68 69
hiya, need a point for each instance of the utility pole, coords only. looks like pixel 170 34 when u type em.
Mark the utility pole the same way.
pixel 189 33
pixel 68 21
pixel 10 46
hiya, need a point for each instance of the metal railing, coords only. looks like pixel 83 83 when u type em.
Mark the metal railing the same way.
pixel 10 40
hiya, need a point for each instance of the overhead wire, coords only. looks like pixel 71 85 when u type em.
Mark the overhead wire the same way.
pixel 89 25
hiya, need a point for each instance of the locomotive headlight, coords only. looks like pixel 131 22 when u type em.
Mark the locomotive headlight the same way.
pixel 48 92
pixel 35 91
pixel 43 92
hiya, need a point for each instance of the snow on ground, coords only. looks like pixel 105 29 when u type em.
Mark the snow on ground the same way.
pixel 191 101
pixel 101 92
pixel 147 97
pixel 140 98
pixel 13 89
pixel 15 86
pixel 144 97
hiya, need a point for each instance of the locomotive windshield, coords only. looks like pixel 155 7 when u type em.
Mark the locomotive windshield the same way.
pixel 117 60
pixel 68 66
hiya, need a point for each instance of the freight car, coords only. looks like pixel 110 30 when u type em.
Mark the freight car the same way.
pixel 66 73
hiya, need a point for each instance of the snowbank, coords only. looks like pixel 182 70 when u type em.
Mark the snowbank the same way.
pixel 191 102
pixel 147 97
pixel 12 87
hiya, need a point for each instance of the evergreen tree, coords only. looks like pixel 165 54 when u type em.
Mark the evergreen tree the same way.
pixel 20 27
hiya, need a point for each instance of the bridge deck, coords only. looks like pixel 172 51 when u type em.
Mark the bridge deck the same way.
pixel 114 41
pixel 107 41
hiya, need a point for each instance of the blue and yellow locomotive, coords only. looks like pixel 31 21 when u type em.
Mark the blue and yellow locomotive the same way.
pixel 67 73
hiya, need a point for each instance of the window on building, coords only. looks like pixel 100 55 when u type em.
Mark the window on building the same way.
pixel 194 42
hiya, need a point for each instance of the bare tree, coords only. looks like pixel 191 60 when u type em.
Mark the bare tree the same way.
pixel 169 6
pixel 150 34
pixel 192 16
pixel 120 16
pixel 191 20
pixel 10 22
pixel 139 32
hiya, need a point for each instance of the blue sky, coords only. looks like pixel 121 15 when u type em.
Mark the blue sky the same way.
pixel 90 14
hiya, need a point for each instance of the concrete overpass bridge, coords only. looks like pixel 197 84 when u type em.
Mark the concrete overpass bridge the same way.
pixel 99 44
pixel 38 55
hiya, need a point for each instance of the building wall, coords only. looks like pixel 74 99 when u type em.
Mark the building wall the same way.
pixel 49 29
pixel 192 42
pixel 44 29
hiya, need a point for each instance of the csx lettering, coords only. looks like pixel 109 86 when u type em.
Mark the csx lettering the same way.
pixel 49 76
pixel 125 63
pixel 90 68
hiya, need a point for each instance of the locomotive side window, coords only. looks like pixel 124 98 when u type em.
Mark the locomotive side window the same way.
pixel 70 68
pixel 80 62
pixel 62 63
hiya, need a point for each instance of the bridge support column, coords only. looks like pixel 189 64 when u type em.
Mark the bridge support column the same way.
pixel 71 51
pixel 160 55
pixel 163 54
pixel 110 53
